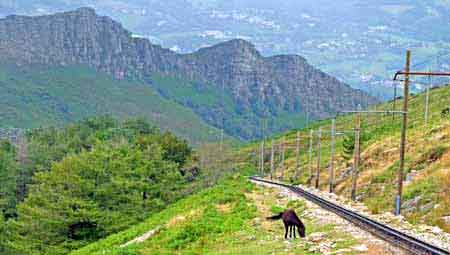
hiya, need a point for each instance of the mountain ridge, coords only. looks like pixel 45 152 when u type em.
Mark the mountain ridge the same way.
pixel 260 87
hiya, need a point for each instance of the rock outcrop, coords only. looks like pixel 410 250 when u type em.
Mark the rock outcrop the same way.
pixel 264 86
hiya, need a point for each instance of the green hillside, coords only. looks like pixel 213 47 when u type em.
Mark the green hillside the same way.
pixel 220 110
pixel 38 96
pixel 225 219
pixel 427 174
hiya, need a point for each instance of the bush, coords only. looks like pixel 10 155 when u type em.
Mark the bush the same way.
pixel 94 178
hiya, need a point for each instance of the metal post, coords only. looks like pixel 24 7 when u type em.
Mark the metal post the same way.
pixel 357 154
pixel 262 160
pixel 283 148
pixel 272 155
pixel 395 101
pixel 333 134
pixel 297 156
pixel 311 134
pixel 403 137
pixel 427 100
pixel 319 145
pixel 307 114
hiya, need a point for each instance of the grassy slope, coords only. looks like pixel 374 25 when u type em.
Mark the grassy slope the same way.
pixel 32 97
pixel 427 158
pixel 225 219
pixel 206 101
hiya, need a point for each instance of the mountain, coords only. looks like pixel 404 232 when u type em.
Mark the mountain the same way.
pixel 229 85
pixel 32 96
pixel 360 42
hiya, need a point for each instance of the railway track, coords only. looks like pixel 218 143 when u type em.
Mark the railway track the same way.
pixel 395 237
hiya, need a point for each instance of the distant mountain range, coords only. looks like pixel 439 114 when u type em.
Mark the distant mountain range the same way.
pixel 48 59
pixel 361 42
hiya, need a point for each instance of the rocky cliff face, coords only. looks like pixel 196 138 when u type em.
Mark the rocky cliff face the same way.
pixel 282 83
pixel 265 86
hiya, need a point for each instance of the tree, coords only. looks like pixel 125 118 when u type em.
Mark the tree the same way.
pixel 91 195
pixel 91 179
pixel 2 234
pixel 8 178
pixel 348 146
pixel 140 126
pixel 175 150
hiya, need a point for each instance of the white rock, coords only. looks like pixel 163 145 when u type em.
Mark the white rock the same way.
pixel 316 237
pixel 446 219
pixel 360 248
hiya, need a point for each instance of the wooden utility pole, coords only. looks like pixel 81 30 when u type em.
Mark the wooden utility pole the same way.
pixel 427 100
pixel 311 136
pixel 272 155
pixel 333 136
pixel 398 200
pixel 262 160
pixel 357 154
pixel 319 147
pixel 283 151
pixel 297 156
pixel 394 103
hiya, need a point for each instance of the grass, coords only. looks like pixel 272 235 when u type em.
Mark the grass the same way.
pixel 427 158
pixel 200 221
pixel 225 219
pixel 40 96
pixel 33 96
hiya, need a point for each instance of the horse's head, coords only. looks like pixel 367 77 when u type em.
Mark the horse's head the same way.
pixel 301 231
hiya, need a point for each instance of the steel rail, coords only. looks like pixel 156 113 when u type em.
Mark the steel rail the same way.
pixel 395 237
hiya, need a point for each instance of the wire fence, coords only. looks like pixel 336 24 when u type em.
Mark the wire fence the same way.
pixel 427 112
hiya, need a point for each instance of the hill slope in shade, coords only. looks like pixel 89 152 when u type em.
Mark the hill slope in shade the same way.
pixel 33 97
pixel 280 87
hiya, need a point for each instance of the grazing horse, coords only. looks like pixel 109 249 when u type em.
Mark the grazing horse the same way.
pixel 290 220
pixel 445 112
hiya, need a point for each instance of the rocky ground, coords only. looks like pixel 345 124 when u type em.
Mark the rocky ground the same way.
pixel 325 242
pixel 365 243
pixel 429 234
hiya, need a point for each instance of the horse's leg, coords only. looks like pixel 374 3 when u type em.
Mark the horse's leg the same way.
pixel 286 228
pixel 294 230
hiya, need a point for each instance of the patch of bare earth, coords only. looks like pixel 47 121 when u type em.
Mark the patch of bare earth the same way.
pixel 179 219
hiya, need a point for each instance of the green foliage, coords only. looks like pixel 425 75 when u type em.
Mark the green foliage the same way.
pixel 203 224
pixel 89 180
pixel 2 234
pixel 348 144
pixel 277 209
pixel 387 175
pixel 425 188
pixel 88 196
pixel 297 205
pixel 42 96
pixel 8 179
pixel 221 110
pixel 175 150
pixel 433 154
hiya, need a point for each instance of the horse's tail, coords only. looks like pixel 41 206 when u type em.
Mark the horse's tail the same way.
pixel 275 217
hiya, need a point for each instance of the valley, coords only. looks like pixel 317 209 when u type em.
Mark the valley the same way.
pixel 146 127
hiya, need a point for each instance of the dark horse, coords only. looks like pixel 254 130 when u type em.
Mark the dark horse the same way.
pixel 290 220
